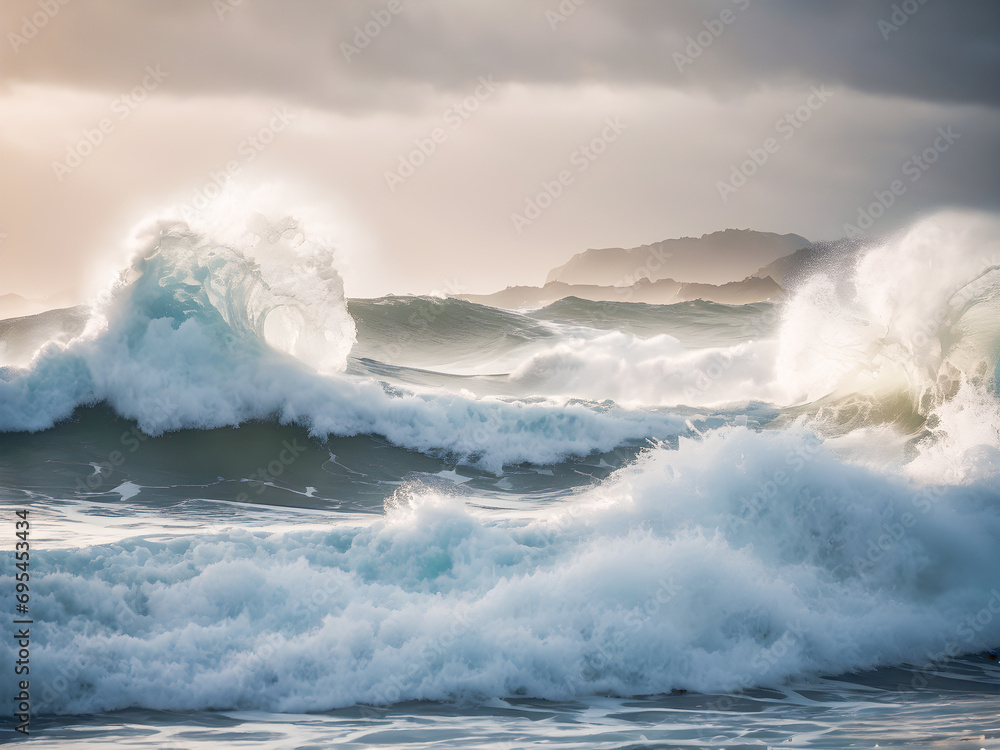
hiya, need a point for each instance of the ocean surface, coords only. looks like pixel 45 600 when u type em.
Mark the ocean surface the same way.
pixel 265 515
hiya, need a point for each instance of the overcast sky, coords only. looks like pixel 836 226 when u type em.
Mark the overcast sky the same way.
pixel 636 114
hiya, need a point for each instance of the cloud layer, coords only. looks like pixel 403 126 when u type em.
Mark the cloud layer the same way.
pixel 701 87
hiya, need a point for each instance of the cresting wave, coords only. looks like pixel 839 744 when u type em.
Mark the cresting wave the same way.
pixel 860 528
pixel 742 559
pixel 225 321
pixel 918 309
pixel 239 317
pixel 919 314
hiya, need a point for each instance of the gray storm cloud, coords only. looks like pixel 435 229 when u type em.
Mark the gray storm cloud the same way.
pixel 924 49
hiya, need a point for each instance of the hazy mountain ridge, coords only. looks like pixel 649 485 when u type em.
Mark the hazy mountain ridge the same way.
pixel 716 258
pixel 727 259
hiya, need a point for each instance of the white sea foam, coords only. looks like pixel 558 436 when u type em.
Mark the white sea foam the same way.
pixel 649 371
pixel 189 339
pixel 238 316
pixel 920 307
pixel 741 559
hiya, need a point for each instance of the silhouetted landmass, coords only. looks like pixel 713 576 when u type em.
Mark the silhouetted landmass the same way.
pixel 716 258
pixel 710 265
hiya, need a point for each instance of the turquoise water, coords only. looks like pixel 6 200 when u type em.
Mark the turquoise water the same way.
pixel 264 515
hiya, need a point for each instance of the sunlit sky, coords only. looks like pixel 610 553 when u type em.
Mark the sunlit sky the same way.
pixel 425 130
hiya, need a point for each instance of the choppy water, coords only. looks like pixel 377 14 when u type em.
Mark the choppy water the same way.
pixel 266 515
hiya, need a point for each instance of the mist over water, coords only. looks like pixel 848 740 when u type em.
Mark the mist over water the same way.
pixel 588 499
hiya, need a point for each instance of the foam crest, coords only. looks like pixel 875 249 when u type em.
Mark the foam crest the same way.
pixel 235 316
pixel 741 559
pixel 266 278
pixel 657 370
pixel 918 308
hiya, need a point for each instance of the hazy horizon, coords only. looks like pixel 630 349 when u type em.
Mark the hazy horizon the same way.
pixel 656 260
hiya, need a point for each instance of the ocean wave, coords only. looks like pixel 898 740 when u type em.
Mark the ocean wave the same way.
pixel 903 333
pixel 240 316
pixel 450 335
pixel 740 559
pixel 697 323
pixel 214 324
pixel 919 311
pixel 658 370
